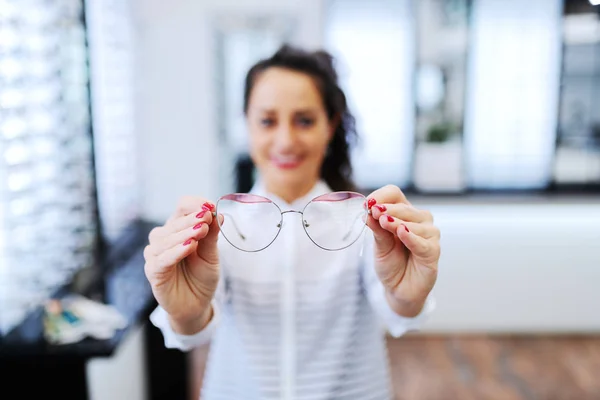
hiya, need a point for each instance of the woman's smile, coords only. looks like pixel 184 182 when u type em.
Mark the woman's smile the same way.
pixel 287 162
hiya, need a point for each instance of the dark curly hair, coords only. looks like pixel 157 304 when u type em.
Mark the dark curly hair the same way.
pixel 336 170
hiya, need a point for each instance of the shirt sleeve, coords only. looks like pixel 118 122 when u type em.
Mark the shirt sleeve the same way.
pixel 397 325
pixel 174 340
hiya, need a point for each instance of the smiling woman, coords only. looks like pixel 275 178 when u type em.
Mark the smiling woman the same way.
pixel 299 122
pixel 294 314
pixel 288 134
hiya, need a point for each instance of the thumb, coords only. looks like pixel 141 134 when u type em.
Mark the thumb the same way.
pixel 384 240
pixel 207 247
pixel 214 228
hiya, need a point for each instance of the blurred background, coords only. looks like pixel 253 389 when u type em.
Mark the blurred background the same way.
pixel 485 112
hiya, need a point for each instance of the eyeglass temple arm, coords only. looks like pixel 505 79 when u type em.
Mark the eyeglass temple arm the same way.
pixel 355 219
pixel 230 218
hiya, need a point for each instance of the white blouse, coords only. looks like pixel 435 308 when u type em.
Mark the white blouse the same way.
pixel 297 322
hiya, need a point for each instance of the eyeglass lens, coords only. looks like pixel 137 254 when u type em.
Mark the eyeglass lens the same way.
pixel 335 220
pixel 332 221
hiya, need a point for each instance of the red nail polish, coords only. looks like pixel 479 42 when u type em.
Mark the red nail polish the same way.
pixel 371 203
pixel 187 242
pixel 405 228
pixel 381 208
pixel 198 226
pixel 390 218
pixel 207 206
pixel 201 214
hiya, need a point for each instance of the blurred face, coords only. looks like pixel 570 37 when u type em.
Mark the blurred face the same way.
pixel 289 131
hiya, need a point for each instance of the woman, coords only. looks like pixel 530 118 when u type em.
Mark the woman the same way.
pixel 293 320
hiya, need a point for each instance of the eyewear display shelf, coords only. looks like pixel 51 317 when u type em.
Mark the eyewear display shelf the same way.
pixel 35 369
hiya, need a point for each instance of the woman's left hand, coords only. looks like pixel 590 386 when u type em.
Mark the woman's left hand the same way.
pixel 407 249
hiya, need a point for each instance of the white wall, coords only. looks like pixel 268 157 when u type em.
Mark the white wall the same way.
pixel 525 267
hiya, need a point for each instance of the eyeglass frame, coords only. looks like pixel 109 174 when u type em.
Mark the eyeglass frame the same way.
pixel 280 223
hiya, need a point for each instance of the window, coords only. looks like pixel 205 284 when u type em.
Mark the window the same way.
pixel 512 93
pixel 373 42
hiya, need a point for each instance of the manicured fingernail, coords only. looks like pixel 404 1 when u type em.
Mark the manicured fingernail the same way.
pixel 390 218
pixel 381 207
pixel 201 214
pixel 198 226
pixel 405 228
pixel 371 203
pixel 187 242
pixel 207 206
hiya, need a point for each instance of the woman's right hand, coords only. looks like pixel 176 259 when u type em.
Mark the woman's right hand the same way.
pixel 182 264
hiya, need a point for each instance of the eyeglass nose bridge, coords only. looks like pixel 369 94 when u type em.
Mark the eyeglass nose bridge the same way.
pixel 294 212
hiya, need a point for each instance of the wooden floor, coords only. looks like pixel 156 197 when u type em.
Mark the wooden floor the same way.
pixel 487 368
pixel 496 368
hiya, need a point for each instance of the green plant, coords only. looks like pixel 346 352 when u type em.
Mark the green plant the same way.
pixel 440 133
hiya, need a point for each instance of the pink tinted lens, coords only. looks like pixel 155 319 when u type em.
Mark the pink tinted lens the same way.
pixel 250 222
pixel 340 196
pixel 335 220
pixel 245 198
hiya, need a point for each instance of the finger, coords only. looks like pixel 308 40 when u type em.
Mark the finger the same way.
pixel 387 194
pixel 172 256
pixel 179 230
pixel 185 222
pixel 155 234
pixel 191 204
pixel 402 211
pixel 214 228
pixel 384 240
pixel 424 248
pixel 196 232
pixel 419 239
pixel 392 225
pixel 207 249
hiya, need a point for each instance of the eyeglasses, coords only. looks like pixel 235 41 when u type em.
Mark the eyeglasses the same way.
pixel 332 221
